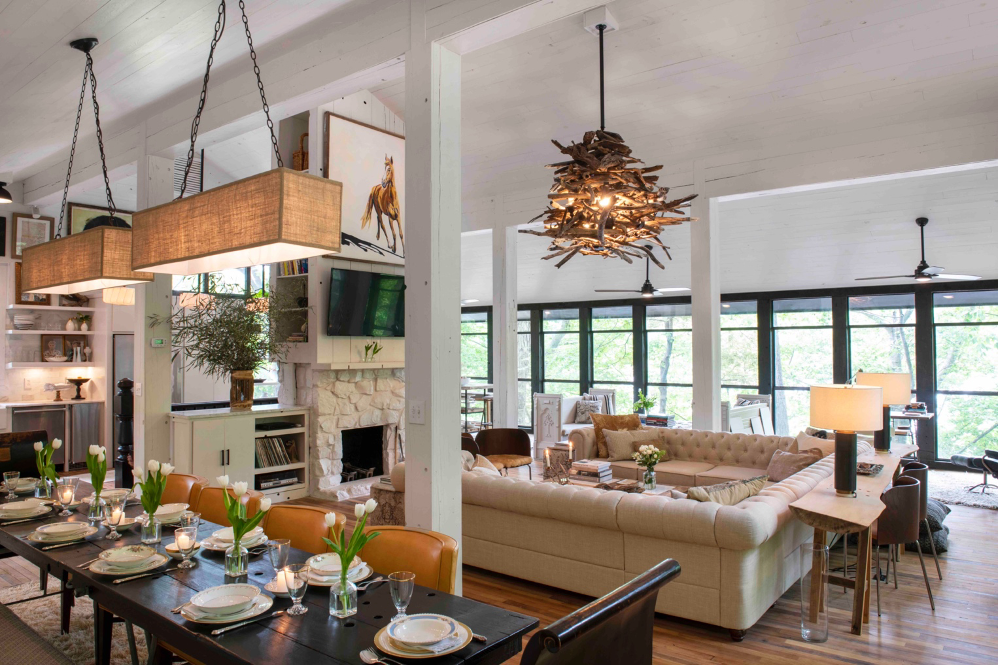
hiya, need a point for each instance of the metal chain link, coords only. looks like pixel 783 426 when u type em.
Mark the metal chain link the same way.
pixel 100 137
pixel 72 150
pixel 259 84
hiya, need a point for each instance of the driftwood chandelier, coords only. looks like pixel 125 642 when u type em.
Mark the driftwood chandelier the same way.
pixel 603 202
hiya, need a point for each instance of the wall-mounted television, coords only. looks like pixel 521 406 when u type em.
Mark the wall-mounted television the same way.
pixel 366 304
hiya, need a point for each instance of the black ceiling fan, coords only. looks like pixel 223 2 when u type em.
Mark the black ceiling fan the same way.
pixel 924 272
pixel 646 290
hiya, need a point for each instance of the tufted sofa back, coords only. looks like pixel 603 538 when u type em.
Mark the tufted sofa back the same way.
pixel 723 448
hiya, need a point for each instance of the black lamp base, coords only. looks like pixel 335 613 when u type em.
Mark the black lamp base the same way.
pixel 882 438
pixel 845 464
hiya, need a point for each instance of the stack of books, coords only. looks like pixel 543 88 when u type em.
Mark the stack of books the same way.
pixel 274 451
pixel 661 421
pixel 297 267
pixel 590 472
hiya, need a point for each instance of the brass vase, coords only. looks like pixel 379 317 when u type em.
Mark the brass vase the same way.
pixel 241 389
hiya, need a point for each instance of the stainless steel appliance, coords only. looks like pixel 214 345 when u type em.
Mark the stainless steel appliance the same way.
pixel 77 425
pixel 53 420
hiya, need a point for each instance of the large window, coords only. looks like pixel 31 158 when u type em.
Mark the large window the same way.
pixel 475 345
pixel 966 331
pixel 560 339
pixel 524 371
pixel 669 360
pixel 882 334
pixel 613 353
pixel 739 349
pixel 802 356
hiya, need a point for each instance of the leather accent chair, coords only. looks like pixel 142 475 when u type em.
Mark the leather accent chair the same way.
pixel 468 444
pixel 898 525
pixel 506 448
pixel 212 509
pixel 303 525
pixel 614 629
pixel 987 464
pixel 430 555
pixel 183 488
pixel 920 472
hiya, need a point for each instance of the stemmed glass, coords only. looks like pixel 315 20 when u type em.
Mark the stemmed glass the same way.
pixel 114 511
pixel 190 519
pixel 10 479
pixel 296 576
pixel 278 550
pixel 64 496
pixel 186 539
pixel 401 584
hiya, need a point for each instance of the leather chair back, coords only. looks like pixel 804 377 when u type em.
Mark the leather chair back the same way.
pixel 430 555
pixel 183 488
pixel 990 462
pixel 615 629
pixel 499 441
pixel 468 443
pixel 212 509
pixel 920 472
pixel 303 525
pixel 17 451
pixel 899 521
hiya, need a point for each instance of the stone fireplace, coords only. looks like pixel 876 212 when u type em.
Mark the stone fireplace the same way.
pixel 354 403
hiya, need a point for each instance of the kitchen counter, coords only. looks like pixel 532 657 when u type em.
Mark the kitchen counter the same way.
pixel 259 410
pixel 46 403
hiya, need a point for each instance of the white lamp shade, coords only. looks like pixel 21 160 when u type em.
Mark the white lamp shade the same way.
pixel 847 407
pixel 896 385
pixel 119 296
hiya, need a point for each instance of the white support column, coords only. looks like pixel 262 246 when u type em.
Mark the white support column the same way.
pixel 705 272
pixel 153 366
pixel 504 335
pixel 433 283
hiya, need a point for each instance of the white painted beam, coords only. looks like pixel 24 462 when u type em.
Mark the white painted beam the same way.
pixel 504 334
pixel 492 22
pixel 705 280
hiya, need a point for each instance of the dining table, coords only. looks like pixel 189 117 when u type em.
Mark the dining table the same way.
pixel 313 638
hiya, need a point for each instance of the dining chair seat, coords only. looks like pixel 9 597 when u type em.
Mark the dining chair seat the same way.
pixel 430 555
pixel 182 488
pixel 303 525
pixel 212 509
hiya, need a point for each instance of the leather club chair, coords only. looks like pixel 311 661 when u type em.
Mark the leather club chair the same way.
pixel 897 525
pixel 183 488
pixel 212 509
pixel 978 464
pixel 303 525
pixel 430 555
pixel 506 448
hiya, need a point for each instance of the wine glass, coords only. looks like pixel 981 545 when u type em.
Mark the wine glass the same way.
pixel 190 519
pixel 64 495
pixel 186 540
pixel 114 512
pixel 10 479
pixel 278 549
pixel 401 584
pixel 296 576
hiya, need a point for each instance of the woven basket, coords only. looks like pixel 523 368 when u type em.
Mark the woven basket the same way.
pixel 300 157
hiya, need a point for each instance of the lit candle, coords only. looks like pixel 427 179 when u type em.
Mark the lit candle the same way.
pixel 282 580
pixel 571 451
pixel 115 516
pixel 547 457
pixel 184 543
pixel 67 496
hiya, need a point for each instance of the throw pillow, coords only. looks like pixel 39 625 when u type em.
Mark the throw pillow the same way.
pixel 783 465
pixel 583 408
pixel 484 466
pixel 612 422
pixel 467 461
pixel 678 494
pixel 621 444
pixel 805 442
pixel 728 493
pixel 607 401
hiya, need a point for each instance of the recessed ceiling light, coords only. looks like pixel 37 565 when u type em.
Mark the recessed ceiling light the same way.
pixel 469 301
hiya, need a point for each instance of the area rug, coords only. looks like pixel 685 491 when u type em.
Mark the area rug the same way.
pixel 42 615
pixel 951 488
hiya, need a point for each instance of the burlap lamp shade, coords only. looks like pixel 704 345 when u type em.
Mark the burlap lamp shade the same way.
pixel 280 215
pixel 90 260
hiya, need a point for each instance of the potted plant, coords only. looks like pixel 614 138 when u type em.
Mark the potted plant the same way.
pixel 642 405
pixel 83 320
pixel 343 593
pixel 47 476
pixel 237 556
pixel 647 457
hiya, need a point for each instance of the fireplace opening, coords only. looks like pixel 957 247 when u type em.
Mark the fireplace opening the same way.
pixel 362 452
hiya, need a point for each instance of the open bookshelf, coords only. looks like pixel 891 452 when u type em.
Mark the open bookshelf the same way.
pixel 280 456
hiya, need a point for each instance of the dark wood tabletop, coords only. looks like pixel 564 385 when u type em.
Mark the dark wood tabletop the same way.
pixel 313 638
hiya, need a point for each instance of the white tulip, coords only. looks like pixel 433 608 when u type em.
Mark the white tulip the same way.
pixel 223 480
pixel 153 466
pixel 103 450
pixel 101 457
pixel 166 469
pixel 370 506
pixel 358 511
pixel 56 444
pixel 330 520
pixel 265 504
pixel 137 475
pixel 239 488
pixel 93 449
pixel 39 446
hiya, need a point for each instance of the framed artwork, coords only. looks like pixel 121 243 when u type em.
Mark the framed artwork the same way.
pixel 27 299
pixel 370 162
pixel 30 231
pixel 53 348
pixel 82 217
pixel 73 342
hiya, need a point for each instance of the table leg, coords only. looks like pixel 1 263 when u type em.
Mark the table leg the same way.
pixel 817 589
pixel 860 599
pixel 67 600
pixel 103 624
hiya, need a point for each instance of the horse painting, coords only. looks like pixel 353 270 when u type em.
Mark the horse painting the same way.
pixel 384 200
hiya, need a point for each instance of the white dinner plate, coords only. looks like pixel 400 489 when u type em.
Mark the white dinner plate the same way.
pixel 225 535
pixel 102 567
pixel 128 557
pixel 170 513
pixel 24 484
pixel 261 604
pixel 61 530
pixel 35 537
pixel 328 564
pixel 210 543
pixel 385 643
pixel 354 576
pixel 421 629
pixel 30 512
pixel 225 599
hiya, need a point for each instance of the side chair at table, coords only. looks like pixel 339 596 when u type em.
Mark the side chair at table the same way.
pixel 898 525
pixel 304 526
pixel 432 556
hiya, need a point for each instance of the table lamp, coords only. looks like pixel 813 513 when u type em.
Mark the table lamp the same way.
pixel 897 391
pixel 846 408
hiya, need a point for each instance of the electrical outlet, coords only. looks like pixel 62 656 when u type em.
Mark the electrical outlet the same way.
pixel 137 389
pixel 416 408
pixel 27 384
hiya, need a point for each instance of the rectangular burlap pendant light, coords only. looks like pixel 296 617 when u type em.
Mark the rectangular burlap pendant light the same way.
pixel 279 215
pixel 89 260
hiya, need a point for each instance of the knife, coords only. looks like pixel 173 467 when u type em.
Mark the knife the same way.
pixel 143 575
pixel 22 520
pixel 63 545
pixel 217 632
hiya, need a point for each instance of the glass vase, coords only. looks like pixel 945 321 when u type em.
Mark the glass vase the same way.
pixel 342 598
pixel 649 481
pixel 95 513
pixel 151 529
pixel 236 560
pixel 814 592
pixel 43 489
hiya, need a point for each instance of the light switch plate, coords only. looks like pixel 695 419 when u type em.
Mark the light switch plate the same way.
pixel 27 384
pixel 416 408
pixel 137 389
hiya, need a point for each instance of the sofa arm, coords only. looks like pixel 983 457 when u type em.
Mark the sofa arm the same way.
pixel 584 440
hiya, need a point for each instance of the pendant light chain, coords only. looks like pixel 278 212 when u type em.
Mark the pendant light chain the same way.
pixel 259 84
pixel 602 105
pixel 100 138
pixel 72 150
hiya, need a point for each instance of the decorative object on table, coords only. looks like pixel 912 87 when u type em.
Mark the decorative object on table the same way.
pixel 601 203
pixel 648 456
pixel 10 481
pixel 30 231
pixel 99 256
pixel 278 551
pixel 401 584
pixel 24 298
pixel 53 348
pixel 97 466
pixel 152 487
pixel 83 320
pixel 897 390
pixel 185 539
pixel 642 405
pixel 78 382
pixel 590 472
pixel 868 469
pixel 237 556
pixel 114 513
pixel 296 580
pixel 370 162
pixel 64 496
pixel 924 272
pixel 47 476
pixel 226 338
pixel 371 350
pixel 814 593
pixel 343 593
pixel 846 409
pixel 58 388
pixel 556 469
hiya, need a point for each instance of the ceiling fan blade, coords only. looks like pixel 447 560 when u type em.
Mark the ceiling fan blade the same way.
pixel 956 276
pixel 667 289
pixel 933 270
pixel 618 291
pixel 886 277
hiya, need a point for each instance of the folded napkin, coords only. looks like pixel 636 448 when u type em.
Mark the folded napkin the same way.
pixel 448 643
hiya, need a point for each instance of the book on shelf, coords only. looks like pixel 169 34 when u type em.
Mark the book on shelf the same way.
pixel 296 267
pixel 274 451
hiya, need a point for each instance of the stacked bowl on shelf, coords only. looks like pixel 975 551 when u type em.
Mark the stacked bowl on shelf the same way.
pixel 24 322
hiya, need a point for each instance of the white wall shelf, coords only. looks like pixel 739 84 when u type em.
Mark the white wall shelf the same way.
pixel 279 468
pixel 277 433
pixel 46 364
pixel 35 331
pixel 54 308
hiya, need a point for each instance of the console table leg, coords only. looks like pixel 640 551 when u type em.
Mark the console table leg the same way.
pixel 861 600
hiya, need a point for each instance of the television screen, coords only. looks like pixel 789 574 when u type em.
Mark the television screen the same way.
pixel 366 304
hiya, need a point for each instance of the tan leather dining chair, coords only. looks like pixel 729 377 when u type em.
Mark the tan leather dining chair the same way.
pixel 430 555
pixel 303 525
pixel 209 504
pixel 183 488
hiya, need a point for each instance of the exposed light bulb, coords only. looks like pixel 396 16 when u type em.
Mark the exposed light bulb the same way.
pixel 923 278
pixel 648 294
pixel 604 202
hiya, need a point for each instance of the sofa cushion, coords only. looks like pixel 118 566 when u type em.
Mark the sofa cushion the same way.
pixel 723 448
pixel 729 493
pixel 784 464
pixel 621 444
pixel 612 422
pixel 725 473
pixel 583 408
pixel 680 472
pixel 806 441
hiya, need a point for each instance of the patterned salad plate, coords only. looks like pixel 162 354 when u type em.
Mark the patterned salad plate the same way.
pixel 457 641
pixel 261 604
pixel 43 535
pixel 107 569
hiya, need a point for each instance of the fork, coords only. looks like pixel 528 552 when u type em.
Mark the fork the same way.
pixel 369 656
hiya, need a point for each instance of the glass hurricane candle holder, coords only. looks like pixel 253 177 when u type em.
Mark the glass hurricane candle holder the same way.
pixel 64 495
pixel 114 512
pixel 186 540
